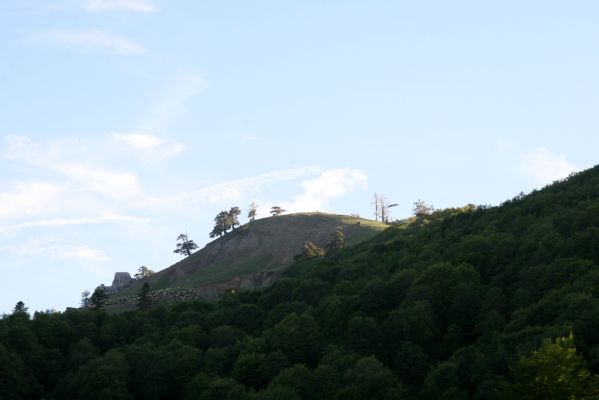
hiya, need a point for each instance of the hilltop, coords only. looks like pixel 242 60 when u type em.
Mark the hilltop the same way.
pixel 254 254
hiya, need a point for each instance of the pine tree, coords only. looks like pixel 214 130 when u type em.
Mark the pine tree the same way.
pixel 85 300
pixel 20 308
pixel 144 297
pixel 98 298
pixel 186 247
pixel 276 210
pixel 337 242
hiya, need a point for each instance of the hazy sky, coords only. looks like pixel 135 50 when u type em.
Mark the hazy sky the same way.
pixel 126 122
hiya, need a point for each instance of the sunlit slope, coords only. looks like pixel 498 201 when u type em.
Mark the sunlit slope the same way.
pixel 265 245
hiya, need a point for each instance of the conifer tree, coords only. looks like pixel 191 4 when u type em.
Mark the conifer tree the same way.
pixel 20 308
pixel 337 242
pixel 276 210
pixel 144 297
pixel 98 298
pixel 186 247
pixel 85 300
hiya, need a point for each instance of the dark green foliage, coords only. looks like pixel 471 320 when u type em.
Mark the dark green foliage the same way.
pixel 276 210
pixel 470 303
pixel 554 371
pixel 226 220
pixel 98 298
pixel 20 308
pixel 186 245
pixel 144 301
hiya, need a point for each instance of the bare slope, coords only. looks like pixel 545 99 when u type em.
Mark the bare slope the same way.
pixel 257 251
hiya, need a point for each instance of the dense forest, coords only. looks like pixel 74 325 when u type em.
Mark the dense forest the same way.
pixel 471 303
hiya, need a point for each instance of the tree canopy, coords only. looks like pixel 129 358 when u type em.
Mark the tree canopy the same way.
pixel 186 246
pixel 276 210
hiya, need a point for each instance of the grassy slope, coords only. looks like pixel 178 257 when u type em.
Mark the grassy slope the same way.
pixel 267 244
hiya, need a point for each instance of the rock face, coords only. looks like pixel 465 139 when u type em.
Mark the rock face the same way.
pixel 121 280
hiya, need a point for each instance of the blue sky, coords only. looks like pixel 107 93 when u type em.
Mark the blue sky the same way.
pixel 127 122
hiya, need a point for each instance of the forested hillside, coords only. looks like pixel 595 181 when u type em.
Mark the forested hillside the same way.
pixel 470 303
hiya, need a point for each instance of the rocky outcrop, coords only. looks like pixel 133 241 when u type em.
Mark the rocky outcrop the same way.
pixel 121 281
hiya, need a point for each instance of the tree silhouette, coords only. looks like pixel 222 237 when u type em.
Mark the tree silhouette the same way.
pixel 85 300
pixel 252 212
pixel 276 210
pixel 20 308
pixel 186 247
pixel 98 298
pixel 144 297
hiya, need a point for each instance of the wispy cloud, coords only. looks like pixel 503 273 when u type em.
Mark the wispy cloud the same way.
pixel 114 184
pixel 143 6
pixel 85 184
pixel 148 146
pixel 234 190
pixel 59 222
pixel 91 39
pixel 82 252
pixel 331 184
pixel 545 166
pixel 31 198
pixel 53 249
pixel 172 101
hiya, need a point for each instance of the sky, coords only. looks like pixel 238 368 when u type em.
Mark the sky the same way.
pixel 124 123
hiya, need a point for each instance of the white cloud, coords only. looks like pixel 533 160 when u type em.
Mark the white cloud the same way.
pixel 113 184
pixel 331 184
pixel 143 6
pixel 117 185
pixel 148 146
pixel 91 39
pixel 545 167
pixel 83 252
pixel 30 198
pixel 51 248
pixel 234 190
pixel 58 222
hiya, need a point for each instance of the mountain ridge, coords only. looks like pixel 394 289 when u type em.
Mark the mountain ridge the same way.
pixel 253 254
